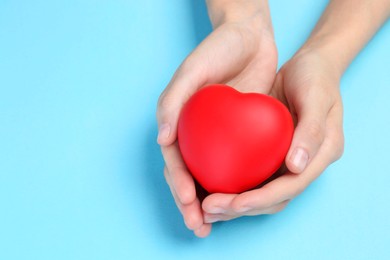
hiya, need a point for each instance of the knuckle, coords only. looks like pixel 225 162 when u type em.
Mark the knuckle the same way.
pixel 187 65
pixel 279 207
pixel 265 201
pixel 190 67
pixel 192 222
pixel 268 198
pixel 236 207
pixel 163 101
pixel 297 189
pixel 167 177
pixel 315 131
pixel 339 151
pixel 337 145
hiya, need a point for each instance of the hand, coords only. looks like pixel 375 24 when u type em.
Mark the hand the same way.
pixel 309 85
pixel 240 52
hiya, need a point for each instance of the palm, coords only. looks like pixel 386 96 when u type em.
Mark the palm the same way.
pixel 259 74
pixel 244 60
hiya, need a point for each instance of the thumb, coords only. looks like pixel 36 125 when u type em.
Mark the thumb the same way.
pixel 308 135
pixel 184 83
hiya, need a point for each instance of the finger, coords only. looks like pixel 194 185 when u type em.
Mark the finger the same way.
pixel 218 203
pixel 291 185
pixel 334 140
pixel 181 180
pixel 271 210
pixel 173 192
pixel 288 186
pixel 221 203
pixel 187 79
pixel 273 193
pixel 192 212
pixel 213 61
pixel 202 66
pixel 193 215
pixel 312 108
pixel 212 218
pixel 331 149
pixel 203 231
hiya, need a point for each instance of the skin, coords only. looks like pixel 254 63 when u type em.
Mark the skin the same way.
pixel 241 52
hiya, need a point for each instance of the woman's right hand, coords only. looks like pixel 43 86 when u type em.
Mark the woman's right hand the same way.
pixel 240 52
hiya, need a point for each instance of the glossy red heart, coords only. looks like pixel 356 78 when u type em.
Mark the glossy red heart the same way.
pixel 231 141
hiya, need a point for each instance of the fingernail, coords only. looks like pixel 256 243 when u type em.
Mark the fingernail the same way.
pixel 216 210
pixel 163 132
pixel 299 158
pixel 211 219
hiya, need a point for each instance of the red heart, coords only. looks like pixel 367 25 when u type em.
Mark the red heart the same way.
pixel 231 141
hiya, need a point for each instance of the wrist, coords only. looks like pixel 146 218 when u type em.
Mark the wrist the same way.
pixel 344 28
pixel 254 13
pixel 329 50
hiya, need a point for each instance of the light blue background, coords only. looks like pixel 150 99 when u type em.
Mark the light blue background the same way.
pixel 81 174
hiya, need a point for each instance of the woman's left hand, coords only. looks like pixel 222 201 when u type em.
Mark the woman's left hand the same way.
pixel 309 85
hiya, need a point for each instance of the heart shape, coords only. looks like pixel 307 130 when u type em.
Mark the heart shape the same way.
pixel 232 141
